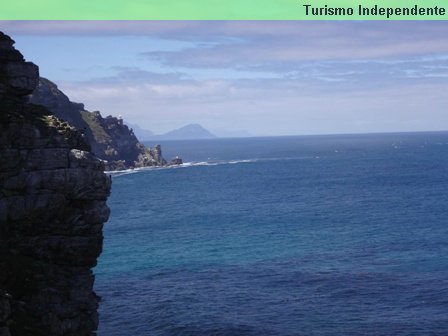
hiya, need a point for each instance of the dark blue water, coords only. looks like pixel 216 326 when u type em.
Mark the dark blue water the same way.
pixel 322 235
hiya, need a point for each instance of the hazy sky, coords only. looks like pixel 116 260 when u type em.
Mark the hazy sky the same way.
pixel 264 77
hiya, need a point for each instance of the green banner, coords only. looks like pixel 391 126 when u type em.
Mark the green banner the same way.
pixel 224 10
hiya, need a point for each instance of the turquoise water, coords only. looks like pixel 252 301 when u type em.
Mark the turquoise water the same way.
pixel 318 235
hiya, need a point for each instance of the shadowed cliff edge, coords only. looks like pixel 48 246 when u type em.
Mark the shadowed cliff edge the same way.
pixel 53 195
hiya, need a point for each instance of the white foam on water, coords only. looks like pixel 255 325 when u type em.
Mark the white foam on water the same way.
pixel 115 173
pixel 242 161
pixel 201 163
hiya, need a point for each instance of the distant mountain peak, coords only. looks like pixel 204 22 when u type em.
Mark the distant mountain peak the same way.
pixel 190 131
pixel 193 125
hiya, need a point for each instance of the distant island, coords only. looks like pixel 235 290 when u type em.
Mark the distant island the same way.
pixel 187 132
pixel 190 131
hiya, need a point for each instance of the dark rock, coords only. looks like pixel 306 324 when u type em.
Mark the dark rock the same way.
pixel 53 195
pixel 18 78
pixel 176 161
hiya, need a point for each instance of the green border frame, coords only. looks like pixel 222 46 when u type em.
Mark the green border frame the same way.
pixel 204 9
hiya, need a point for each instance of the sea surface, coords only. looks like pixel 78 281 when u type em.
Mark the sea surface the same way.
pixel 313 235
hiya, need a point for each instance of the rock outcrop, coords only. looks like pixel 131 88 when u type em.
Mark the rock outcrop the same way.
pixel 111 139
pixel 176 161
pixel 53 195
pixel 17 77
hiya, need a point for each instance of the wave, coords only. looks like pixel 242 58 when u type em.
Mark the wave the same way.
pixel 202 163
pixel 243 161
pixel 116 173
pixel 217 163
pixel 119 172
pixel 193 164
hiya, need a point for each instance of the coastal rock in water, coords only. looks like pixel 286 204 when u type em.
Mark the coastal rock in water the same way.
pixel 53 195
pixel 176 161
pixel 150 157
pixel 111 139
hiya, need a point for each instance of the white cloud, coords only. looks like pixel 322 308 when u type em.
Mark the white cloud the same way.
pixel 306 77
pixel 280 108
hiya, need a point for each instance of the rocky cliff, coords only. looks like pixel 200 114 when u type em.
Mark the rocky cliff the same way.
pixel 111 140
pixel 52 208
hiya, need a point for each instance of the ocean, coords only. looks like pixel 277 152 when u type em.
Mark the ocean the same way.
pixel 307 235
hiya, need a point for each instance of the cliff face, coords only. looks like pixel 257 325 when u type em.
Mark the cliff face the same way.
pixel 111 140
pixel 52 208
